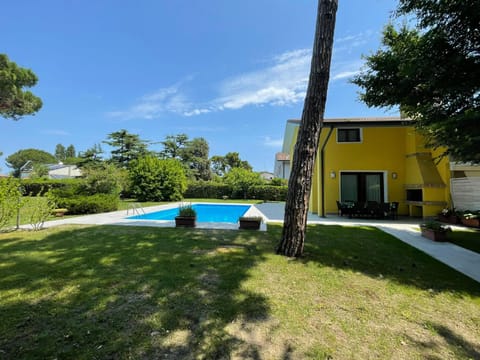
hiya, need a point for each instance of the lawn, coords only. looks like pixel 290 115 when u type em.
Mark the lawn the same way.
pixel 105 292
pixel 466 238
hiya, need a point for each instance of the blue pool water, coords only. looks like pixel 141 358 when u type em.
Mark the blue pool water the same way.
pixel 205 213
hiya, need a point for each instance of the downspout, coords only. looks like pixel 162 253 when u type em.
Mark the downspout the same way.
pixel 322 170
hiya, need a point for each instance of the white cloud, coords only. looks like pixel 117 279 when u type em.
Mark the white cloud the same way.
pixel 268 141
pixel 282 82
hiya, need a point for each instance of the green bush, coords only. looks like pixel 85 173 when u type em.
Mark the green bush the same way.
pixel 154 179
pixel 207 190
pixel 105 179
pixel 41 208
pixel 268 192
pixel 34 187
pixel 92 204
pixel 9 200
pixel 241 180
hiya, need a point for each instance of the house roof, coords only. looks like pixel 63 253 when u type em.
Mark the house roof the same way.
pixel 282 157
pixel 363 122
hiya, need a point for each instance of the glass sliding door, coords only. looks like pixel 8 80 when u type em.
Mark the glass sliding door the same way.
pixel 361 187
pixel 349 187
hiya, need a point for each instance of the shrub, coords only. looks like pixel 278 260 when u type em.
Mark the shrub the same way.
pixel 268 192
pixel 40 209
pixel 10 200
pixel 241 180
pixel 105 179
pixel 34 187
pixel 207 190
pixel 156 179
pixel 92 204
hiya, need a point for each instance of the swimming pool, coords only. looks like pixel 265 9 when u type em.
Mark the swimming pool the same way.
pixel 222 213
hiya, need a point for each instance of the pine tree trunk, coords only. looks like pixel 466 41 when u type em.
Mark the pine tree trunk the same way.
pixel 300 182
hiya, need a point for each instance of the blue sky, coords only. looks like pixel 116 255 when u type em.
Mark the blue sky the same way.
pixel 230 71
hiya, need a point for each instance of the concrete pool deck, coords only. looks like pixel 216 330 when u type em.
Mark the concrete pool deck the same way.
pixel 405 229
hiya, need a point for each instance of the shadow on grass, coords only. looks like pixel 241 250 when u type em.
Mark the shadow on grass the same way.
pixel 380 255
pixel 119 292
pixel 462 348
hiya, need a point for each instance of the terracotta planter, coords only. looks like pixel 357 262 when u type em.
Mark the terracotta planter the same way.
pixel 250 224
pixel 471 222
pixel 434 235
pixel 185 221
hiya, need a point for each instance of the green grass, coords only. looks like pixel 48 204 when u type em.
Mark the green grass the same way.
pixel 125 292
pixel 467 238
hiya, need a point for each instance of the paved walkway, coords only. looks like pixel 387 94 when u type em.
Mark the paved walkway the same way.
pixel 460 259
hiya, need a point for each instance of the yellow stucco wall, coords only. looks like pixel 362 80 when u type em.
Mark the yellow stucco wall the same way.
pixel 396 152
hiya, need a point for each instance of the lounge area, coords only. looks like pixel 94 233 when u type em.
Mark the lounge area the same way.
pixel 368 209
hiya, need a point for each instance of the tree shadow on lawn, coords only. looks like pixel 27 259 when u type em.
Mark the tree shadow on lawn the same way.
pixel 377 254
pixel 119 292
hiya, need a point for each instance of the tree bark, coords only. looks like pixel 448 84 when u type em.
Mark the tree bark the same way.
pixel 300 182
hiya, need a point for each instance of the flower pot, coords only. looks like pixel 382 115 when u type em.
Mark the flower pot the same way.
pixel 434 235
pixel 185 221
pixel 475 222
pixel 250 224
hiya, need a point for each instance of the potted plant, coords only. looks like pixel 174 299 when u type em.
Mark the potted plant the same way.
pixel 250 222
pixel 471 218
pixel 187 216
pixel 434 231
pixel 449 216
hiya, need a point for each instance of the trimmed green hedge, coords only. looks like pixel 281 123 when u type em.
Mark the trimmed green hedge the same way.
pixel 40 187
pixel 207 190
pixel 92 204
pixel 268 192
pixel 211 190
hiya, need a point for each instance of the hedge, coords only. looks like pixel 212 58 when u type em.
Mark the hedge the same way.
pixel 267 192
pixel 88 204
pixel 207 190
pixel 40 187
pixel 211 190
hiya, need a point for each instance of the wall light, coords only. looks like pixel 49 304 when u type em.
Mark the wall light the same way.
pixel 333 175
pixel 394 175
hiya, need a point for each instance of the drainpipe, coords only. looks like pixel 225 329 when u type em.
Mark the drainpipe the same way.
pixel 322 170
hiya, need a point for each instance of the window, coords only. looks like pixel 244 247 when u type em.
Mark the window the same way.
pixel 348 135
pixel 362 187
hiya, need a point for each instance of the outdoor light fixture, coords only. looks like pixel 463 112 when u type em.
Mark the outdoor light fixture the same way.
pixel 332 174
pixel 394 175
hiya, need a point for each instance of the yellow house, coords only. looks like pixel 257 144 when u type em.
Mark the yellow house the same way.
pixel 375 159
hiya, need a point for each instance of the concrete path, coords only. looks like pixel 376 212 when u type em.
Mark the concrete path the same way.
pixel 405 229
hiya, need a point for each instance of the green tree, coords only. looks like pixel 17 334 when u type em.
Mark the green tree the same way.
pixel 16 102
pixel 223 164
pixel 432 71
pixel 241 180
pixel 60 152
pixel 91 157
pixel 194 157
pixel 28 157
pixel 173 146
pixel 154 179
pixel 126 147
pixel 306 147
pixel 70 152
